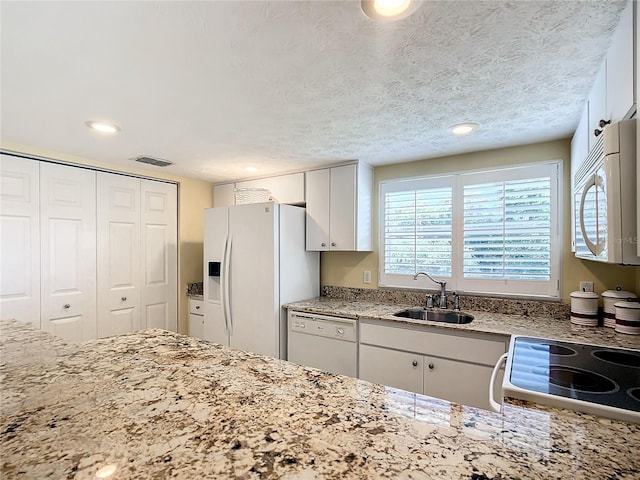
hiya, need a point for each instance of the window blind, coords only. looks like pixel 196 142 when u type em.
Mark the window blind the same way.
pixel 507 230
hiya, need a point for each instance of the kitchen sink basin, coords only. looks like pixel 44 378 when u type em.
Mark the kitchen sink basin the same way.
pixel 446 316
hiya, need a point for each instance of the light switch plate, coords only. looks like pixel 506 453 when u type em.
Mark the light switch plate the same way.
pixel 366 278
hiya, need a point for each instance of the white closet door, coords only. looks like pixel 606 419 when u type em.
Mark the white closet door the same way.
pixel 118 218
pixel 20 239
pixel 68 247
pixel 159 255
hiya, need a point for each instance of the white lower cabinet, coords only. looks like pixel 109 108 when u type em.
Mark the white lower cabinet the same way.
pixel 393 368
pixel 196 318
pixel 454 366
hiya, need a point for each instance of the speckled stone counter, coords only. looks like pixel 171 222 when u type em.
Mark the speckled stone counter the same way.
pixel 484 322
pixel 158 405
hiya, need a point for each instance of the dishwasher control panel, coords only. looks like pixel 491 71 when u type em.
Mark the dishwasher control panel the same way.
pixel 323 326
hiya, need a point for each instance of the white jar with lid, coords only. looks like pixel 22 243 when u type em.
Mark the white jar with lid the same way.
pixel 628 317
pixel 584 308
pixel 609 300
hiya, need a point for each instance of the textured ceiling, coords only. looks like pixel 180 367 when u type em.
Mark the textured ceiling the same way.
pixel 287 85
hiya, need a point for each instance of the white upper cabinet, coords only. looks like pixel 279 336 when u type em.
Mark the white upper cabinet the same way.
pixel 619 88
pixel 223 195
pixel 284 188
pixel 339 208
pixel 612 96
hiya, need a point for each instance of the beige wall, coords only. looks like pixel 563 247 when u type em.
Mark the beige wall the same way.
pixel 193 197
pixel 346 269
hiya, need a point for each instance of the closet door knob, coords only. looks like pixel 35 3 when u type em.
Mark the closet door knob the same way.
pixel 67 306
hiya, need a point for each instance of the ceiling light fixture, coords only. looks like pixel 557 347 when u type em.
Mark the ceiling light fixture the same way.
pixel 251 169
pixel 102 127
pixel 464 128
pixel 388 10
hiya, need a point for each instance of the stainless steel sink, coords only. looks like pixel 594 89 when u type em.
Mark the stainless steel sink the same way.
pixel 446 316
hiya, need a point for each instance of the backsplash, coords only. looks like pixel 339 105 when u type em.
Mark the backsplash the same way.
pixel 508 306
pixel 195 288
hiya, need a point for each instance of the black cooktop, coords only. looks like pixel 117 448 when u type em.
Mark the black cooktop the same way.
pixel 589 373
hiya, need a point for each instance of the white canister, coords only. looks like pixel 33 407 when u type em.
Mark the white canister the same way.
pixel 584 308
pixel 609 300
pixel 628 317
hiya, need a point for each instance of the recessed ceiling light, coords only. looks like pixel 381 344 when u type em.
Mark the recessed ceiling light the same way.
pixel 102 127
pixel 251 169
pixel 388 10
pixel 463 128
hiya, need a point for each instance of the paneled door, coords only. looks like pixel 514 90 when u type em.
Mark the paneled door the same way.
pixel 20 239
pixel 159 255
pixel 68 251
pixel 118 214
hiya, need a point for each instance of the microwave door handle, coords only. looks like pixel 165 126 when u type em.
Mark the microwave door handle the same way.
pixel 595 248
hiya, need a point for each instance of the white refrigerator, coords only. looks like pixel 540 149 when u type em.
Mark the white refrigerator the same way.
pixel 254 262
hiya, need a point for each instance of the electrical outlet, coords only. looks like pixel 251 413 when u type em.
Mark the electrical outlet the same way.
pixel 367 276
pixel 586 286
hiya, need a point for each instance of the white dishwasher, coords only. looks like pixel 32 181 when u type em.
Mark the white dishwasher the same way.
pixel 324 342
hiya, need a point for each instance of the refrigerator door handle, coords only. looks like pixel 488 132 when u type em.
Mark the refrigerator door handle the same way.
pixel 227 285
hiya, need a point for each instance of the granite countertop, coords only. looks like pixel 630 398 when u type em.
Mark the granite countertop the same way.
pixel 156 404
pixel 484 322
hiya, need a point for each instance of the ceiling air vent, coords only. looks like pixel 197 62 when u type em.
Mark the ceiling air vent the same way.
pixel 153 161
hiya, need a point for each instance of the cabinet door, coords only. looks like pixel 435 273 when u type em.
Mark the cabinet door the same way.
pixel 196 326
pixel 20 239
pixel 159 255
pixel 118 218
pixel 317 182
pixel 68 246
pixel 620 68
pixel 597 104
pixel 459 382
pixel 580 142
pixel 223 195
pixel 393 368
pixel 342 210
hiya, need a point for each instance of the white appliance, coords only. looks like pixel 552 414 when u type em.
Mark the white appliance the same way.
pixel 605 198
pixel 587 378
pixel 324 342
pixel 254 262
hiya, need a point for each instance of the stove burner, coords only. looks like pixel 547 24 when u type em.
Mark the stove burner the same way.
pixel 618 358
pixel 553 349
pixel 634 393
pixel 577 379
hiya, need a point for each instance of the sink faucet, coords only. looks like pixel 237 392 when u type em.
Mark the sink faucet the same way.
pixel 443 293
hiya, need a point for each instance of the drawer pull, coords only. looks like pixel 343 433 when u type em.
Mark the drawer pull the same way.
pixel 197 307
pixel 414 363
pixel 124 299
pixel 67 306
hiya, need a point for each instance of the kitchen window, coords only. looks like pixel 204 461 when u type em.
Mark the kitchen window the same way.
pixel 491 231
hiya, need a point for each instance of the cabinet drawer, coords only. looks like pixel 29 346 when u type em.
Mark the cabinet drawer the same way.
pixel 392 368
pixel 475 348
pixel 196 307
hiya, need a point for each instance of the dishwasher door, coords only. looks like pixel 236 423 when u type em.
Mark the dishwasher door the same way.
pixel 324 342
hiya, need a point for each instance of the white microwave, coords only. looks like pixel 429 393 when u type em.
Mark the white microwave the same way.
pixel 604 198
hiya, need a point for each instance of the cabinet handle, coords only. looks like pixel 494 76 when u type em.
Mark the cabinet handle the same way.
pixel 597 132
pixel 603 123
pixel 323 244
pixel 333 244
pixel 197 307
pixel 414 363
pixel 431 366
pixel 124 299
pixel 67 306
